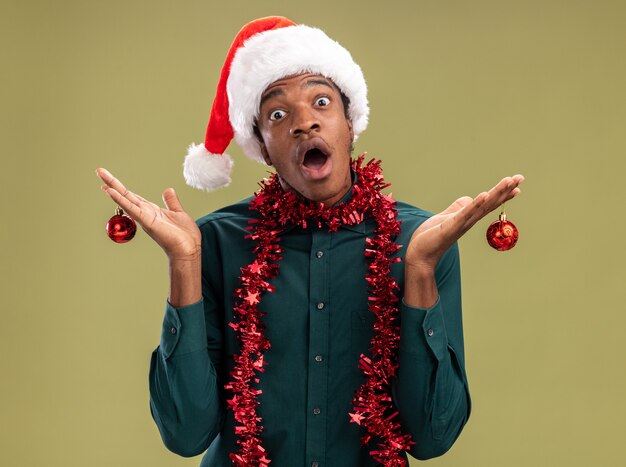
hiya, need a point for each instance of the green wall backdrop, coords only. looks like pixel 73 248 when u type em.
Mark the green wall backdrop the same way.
pixel 462 93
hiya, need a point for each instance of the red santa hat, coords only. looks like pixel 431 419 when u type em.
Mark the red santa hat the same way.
pixel 264 51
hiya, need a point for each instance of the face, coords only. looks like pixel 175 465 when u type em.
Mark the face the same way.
pixel 307 137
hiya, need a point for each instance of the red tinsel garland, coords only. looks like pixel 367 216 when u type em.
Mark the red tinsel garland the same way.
pixel 373 406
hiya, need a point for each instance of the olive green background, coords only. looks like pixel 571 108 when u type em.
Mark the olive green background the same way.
pixel 462 93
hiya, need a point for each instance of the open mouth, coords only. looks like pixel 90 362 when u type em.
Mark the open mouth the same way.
pixel 314 155
pixel 314 159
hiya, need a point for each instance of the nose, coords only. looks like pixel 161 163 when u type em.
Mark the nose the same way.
pixel 304 122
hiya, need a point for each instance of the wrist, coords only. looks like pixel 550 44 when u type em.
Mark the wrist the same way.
pixel 185 280
pixel 192 255
pixel 419 269
pixel 420 286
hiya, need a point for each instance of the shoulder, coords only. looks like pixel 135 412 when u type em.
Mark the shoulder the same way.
pixel 411 218
pixel 226 228
pixel 235 213
pixel 412 215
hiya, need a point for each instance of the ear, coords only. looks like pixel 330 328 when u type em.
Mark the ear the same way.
pixel 265 154
pixel 351 129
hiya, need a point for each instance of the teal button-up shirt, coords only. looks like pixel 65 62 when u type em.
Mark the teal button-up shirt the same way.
pixel 318 324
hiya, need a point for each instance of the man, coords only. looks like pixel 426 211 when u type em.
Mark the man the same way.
pixel 318 323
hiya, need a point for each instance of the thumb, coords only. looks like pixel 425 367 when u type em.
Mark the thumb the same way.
pixel 171 200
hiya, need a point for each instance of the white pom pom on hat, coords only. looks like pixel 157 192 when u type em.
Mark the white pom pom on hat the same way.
pixel 264 51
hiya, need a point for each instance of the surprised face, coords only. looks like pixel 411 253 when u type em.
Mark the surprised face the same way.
pixel 307 137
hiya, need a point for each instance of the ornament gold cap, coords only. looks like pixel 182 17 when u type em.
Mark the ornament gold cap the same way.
pixel 119 211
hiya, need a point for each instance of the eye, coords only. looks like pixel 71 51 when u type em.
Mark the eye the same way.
pixel 323 101
pixel 277 114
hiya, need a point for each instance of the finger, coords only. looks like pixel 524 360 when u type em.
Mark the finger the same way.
pixel 474 213
pixel 512 190
pixel 512 195
pixel 502 192
pixel 457 205
pixel 467 212
pixel 484 203
pixel 108 178
pixel 498 192
pixel 131 209
pixel 141 198
pixel 466 217
pixel 171 200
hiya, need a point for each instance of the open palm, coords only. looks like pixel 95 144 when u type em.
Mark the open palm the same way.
pixel 431 240
pixel 171 227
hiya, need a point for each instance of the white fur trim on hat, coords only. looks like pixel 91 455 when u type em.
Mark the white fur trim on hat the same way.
pixel 273 55
pixel 206 171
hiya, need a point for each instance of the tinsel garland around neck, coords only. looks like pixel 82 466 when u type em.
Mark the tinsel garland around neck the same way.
pixel 372 405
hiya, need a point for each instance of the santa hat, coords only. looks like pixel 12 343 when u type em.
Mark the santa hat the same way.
pixel 264 51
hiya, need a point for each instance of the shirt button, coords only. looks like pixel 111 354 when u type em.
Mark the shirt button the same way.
pixel 315 464
pixel 320 306
pixel 173 330
pixel 319 254
pixel 319 358
pixel 430 333
pixel 317 411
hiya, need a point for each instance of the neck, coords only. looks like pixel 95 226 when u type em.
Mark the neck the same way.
pixel 335 199
pixel 326 201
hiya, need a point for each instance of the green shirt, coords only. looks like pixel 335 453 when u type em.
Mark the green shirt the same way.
pixel 318 324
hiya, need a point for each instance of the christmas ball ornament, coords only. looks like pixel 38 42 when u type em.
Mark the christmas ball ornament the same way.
pixel 502 234
pixel 121 228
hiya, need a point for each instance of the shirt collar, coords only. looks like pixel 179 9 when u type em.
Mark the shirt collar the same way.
pixel 359 228
pixel 363 227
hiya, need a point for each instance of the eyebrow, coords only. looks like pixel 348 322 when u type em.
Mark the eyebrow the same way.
pixel 308 83
pixel 316 81
pixel 273 93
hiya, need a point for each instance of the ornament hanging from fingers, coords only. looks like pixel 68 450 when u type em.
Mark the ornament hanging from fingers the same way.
pixel 502 234
pixel 121 228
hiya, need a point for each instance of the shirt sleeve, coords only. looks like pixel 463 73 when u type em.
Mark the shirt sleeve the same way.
pixel 431 390
pixel 186 398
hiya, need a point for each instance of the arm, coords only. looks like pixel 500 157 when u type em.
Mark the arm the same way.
pixel 431 387
pixel 186 399
pixel 431 390
pixel 185 395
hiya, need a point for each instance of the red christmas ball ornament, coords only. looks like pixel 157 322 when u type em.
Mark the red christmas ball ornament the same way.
pixel 121 228
pixel 502 234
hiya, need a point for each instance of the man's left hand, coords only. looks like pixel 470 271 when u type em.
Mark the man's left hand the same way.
pixel 433 238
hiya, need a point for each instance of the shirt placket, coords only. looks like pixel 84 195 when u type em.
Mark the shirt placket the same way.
pixel 319 309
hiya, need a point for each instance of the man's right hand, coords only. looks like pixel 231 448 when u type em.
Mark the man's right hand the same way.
pixel 171 227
